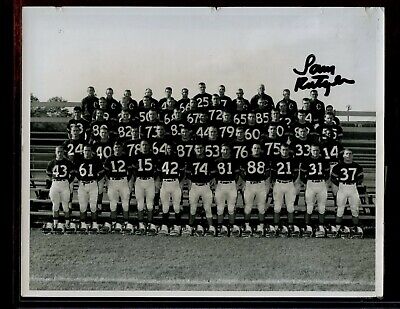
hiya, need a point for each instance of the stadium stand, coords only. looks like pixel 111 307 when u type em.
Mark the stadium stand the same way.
pixel 360 136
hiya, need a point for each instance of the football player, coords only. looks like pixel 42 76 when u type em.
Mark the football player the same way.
pixel 61 172
pixel 226 102
pixel 347 175
pixel 98 123
pixel 240 114
pixel 314 173
pixel 183 103
pixel 168 96
pixel 153 102
pixel 192 115
pixel 167 111
pixel 171 170
pixel 200 128
pixel 284 114
pixel 185 144
pixel 226 190
pixel 90 171
pixel 130 107
pixel 255 171
pixel 148 127
pixel 239 95
pixel 301 123
pixel 118 169
pixel 262 112
pixel 203 98
pixel 144 108
pixel 145 172
pixel 281 127
pixel 103 148
pixel 215 110
pixel 132 104
pixel 212 143
pixel 328 127
pixel 284 172
pixel 132 146
pixel 177 122
pixel 89 103
pixel 271 144
pixel 261 94
pixel 252 130
pixel 200 172
pixel 113 105
pixel 240 146
pixel 329 108
pixel 309 112
pixel 227 128
pixel 290 104
pixel 317 106
pixel 103 105
pixel 125 125
pixel 77 120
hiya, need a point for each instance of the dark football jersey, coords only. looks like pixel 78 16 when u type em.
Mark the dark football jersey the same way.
pixel 124 129
pixel 310 116
pixel 297 125
pixel 118 166
pixel 318 109
pixel 103 149
pixel 288 120
pixel 246 103
pixel 145 165
pixel 214 114
pixel 132 104
pixel 201 170
pixel 171 167
pixel 200 130
pixel 262 116
pixel 163 103
pixel 326 131
pixel 114 107
pixel 89 104
pixel 166 116
pixel 192 117
pixel 241 149
pixel 332 151
pixel 271 147
pixel 255 168
pixel 301 148
pixel 284 168
pixel 148 128
pixel 159 145
pixel 253 133
pixel 106 114
pixel 314 169
pixel 254 101
pixel 212 148
pixel 291 107
pixel 240 118
pixel 97 124
pixel 132 147
pixel 60 169
pixel 184 149
pixel 184 104
pixel 82 124
pixel 141 114
pixel 89 169
pixel 347 173
pixel 174 127
pixel 227 169
pixel 203 100
pixel 74 148
pixel 226 102
pixel 227 130
pixel 154 103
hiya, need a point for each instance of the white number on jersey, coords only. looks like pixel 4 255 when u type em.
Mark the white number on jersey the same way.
pixel 182 152
pixel 212 151
pixel 346 176
pixel 300 150
pixel 314 170
pixel 276 148
pixel 227 132
pixel 284 169
pixel 252 167
pixel 120 166
pixel 161 149
pixel 200 168
pixel 239 118
pixel 225 168
pixel 133 149
pixel 202 102
pixel 58 173
pixel 240 152
pixel 83 171
pixel 77 149
pixel 170 168
pixel 103 152
pixel 252 134
pixel 148 165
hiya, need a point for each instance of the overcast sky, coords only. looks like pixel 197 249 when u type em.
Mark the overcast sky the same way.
pixel 67 49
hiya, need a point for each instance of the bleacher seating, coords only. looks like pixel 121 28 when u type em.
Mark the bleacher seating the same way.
pixel 360 136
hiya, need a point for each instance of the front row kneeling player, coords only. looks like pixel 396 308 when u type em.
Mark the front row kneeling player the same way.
pixel 60 170
pixel 226 190
pixel 284 172
pixel 119 172
pixel 171 171
pixel 314 173
pixel 347 175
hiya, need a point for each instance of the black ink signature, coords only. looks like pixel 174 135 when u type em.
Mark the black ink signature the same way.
pixel 320 80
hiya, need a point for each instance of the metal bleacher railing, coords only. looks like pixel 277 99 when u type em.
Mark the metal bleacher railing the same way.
pixel 359 135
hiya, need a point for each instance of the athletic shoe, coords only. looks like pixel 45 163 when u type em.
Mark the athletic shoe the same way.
pixel 344 232
pixel 187 230
pixel 307 232
pixel 152 230
pixel 332 232
pixel 83 228
pixel 70 228
pixel 47 228
pixel 127 228
pixel 199 231
pixel 141 229
pixel 94 229
pixel 117 228
pixel 259 231
pixel 223 232
pixel 294 231
pixel 235 231
pixel 175 231
pixel 106 228
pixel 247 231
pixel 270 231
pixel 320 232
pixel 283 231
pixel 357 232
pixel 211 231
pixel 164 230
pixel 59 228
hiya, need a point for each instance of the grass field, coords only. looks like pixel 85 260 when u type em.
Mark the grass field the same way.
pixel 128 262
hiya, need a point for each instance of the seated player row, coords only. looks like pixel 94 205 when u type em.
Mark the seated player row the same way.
pixel 203 101
pixel 256 173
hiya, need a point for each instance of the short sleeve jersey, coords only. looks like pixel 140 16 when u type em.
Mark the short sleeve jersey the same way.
pixel 241 149
pixel 301 148
pixel 74 148
pixel 145 165
pixel 227 130
pixel 271 147
pixel 203 100
pixel 348 173
pixel 118 166
pixel 285 169
pixel 103 149
pixel 255 168
pixel 89 169
pixel 212 148
pixel 132 147
pixel 201 170
pixel 60 169
pixel 331 150
pixel 227 169
pixel 315 168
pixel 170 167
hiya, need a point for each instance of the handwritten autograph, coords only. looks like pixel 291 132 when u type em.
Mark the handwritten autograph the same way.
pixel 321 79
